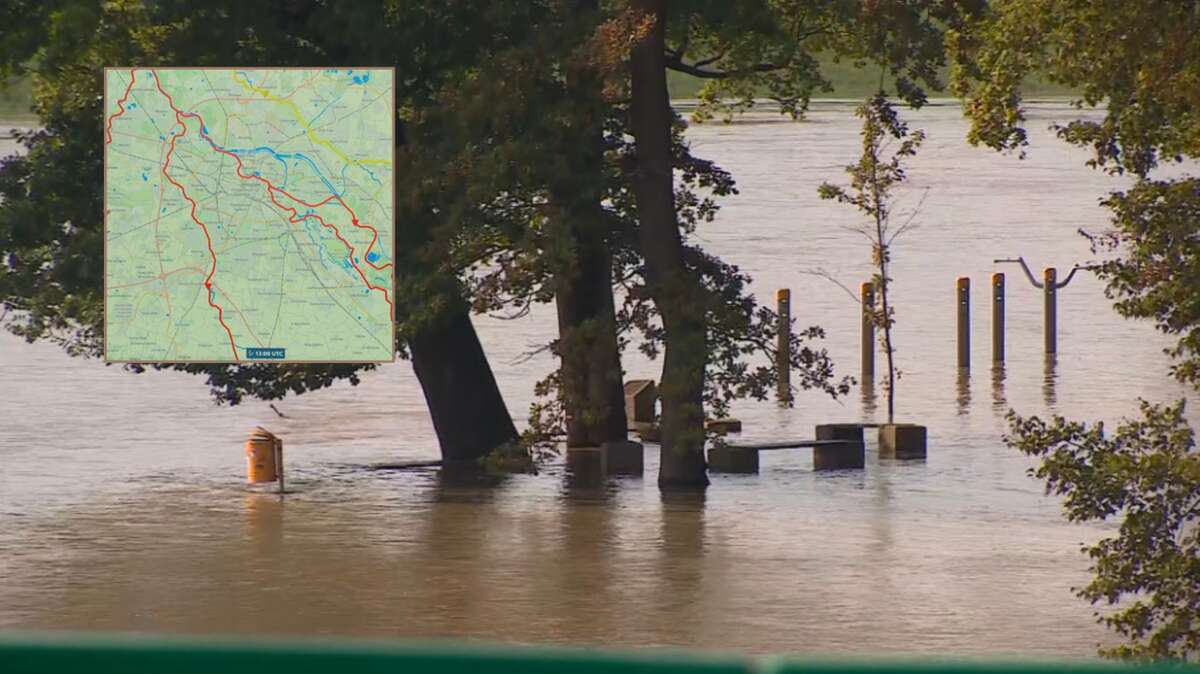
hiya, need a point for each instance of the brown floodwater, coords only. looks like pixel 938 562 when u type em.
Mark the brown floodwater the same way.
pixel 122 503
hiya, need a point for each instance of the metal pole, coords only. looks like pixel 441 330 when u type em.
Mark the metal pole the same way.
pixel 1050 293
pixel 868 334
pixel 783 350
pixel 998 319
pixel 964 322
pixel 279 462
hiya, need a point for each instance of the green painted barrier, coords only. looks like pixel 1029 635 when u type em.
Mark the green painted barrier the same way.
pixel 57 653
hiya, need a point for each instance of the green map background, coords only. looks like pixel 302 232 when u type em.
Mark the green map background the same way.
pixel 282 280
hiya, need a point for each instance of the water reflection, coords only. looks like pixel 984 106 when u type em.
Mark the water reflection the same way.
pixel 868 399
pixel 262 523
pixel 680 571
pixel 999 401
pixel 963 387
pixel 1050 381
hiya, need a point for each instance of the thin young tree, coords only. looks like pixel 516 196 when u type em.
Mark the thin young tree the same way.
pixel 873 179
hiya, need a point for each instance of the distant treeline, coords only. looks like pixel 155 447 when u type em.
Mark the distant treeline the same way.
pixel 16 96
pixel 852 82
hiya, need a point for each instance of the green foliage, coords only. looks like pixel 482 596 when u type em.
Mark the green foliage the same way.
pixel 1157 275
pixel 1139 60
pixel 1147 475
pixel 50 215
pixel 785 50
pixel 1138 64
pixel 873 180
pixel 514 457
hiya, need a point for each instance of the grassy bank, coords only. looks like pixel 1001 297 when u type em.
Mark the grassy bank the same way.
pixel 850 82
pixel 16 100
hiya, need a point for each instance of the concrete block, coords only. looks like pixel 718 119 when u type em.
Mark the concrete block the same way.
pixel 902 441
pixel 724 426
pixel 732 460
pixel 640 399
pixel 852 454
pixel 842 456
pixel 624 457
pixel 587 465
pixel 848 432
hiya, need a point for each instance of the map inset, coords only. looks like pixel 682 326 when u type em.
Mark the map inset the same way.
pixel 249 214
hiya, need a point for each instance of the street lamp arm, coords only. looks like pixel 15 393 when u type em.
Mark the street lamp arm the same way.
pixel 1029 274
pixel 1073 270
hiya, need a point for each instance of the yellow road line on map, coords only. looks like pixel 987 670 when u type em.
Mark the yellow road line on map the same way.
pixel 304 122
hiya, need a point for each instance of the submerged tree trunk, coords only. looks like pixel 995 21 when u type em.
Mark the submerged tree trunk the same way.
pixel 469 414
pixel 675 290
pixel 592 385
pixel 591 379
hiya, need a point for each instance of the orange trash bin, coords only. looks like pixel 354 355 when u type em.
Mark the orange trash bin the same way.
pixel 261 449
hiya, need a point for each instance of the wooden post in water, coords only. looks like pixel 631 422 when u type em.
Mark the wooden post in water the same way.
pixel 964 322
pixel 783 345
pixel 1050 294
pixel 279 462
pixel 868 335
pixel 997 320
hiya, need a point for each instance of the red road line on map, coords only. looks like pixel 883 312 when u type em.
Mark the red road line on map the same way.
pixel 207 237
pixel 120 105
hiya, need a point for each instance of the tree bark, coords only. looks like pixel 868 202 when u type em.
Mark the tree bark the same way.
pixel 469 414
pixel 592 385
pixel 674 288
pixel 592 382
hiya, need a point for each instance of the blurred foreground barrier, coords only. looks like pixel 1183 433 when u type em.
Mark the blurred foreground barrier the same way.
pixel 46 653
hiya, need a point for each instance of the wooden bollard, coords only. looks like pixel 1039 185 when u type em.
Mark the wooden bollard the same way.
pixel 998 319
pixel 1050 295
pixel 868 334
pixel 783 346
pixel 963 292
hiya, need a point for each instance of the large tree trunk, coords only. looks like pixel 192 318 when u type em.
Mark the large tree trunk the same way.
pixel 469 414
pixel 675 290
pixel 591 377
pixel 587 343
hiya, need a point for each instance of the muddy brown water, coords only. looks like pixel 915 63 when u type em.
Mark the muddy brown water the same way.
pixel 122 505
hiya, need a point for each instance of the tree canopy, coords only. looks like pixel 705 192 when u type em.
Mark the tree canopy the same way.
pixel 1137 66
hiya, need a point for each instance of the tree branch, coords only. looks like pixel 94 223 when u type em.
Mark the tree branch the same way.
pixel 829 277
pixel 709 61
pixel 677 64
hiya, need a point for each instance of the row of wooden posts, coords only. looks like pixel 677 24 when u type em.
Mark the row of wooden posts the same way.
pixel 1049 287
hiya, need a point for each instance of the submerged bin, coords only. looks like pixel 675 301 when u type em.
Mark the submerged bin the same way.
pixel 263 450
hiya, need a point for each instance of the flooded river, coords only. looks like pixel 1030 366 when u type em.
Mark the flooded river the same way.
pixel 122 503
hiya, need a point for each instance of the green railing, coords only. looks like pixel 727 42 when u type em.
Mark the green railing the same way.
pixel 51 653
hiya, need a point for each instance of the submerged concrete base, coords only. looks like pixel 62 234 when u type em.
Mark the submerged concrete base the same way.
pixel 902 441
pixel 732 460
pixel 647 431
pixel 624 458
pixel 847 432
pixel 587 465
pixel 724 426
pixel 851 454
